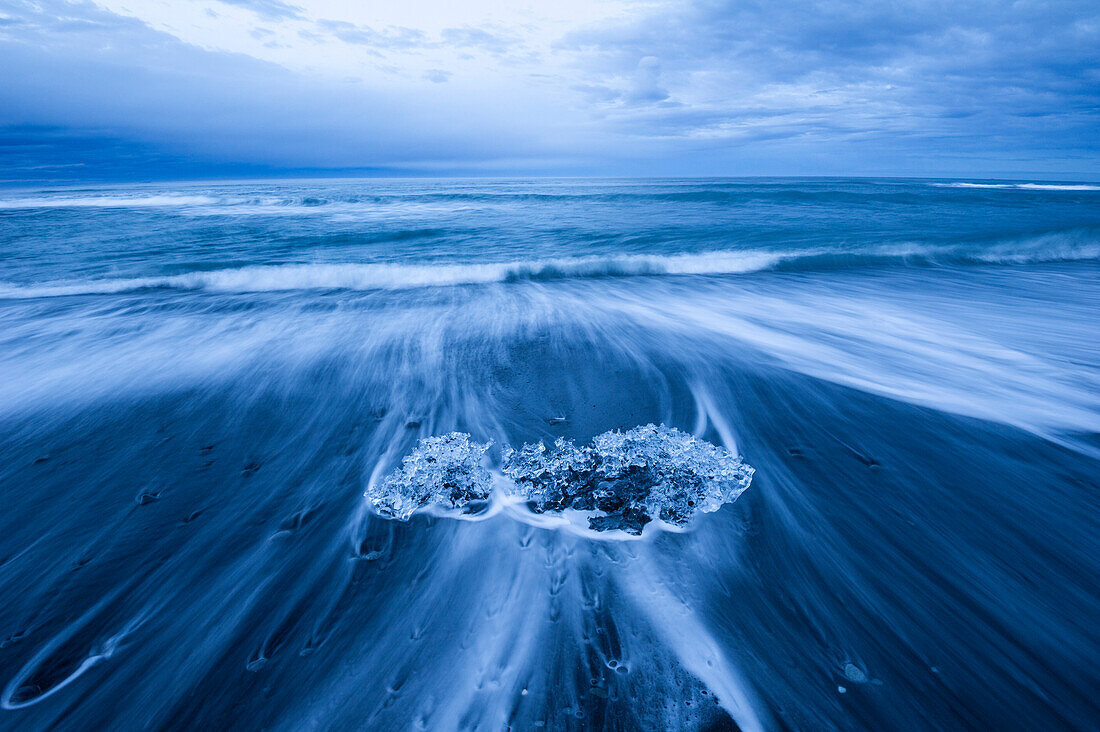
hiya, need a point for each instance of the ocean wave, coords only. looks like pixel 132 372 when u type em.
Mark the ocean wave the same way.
pixel 219 201
pixel 263 278
pixel 157 201
pixel 396 276
pixel 1024 186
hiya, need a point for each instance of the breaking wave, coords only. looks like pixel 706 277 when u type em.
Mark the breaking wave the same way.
pixel 359 201
pixel 1052 248
pixel 107 202
pixel 1025 186
pixel 407 276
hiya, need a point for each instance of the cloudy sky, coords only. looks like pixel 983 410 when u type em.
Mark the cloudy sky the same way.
pixel 193 88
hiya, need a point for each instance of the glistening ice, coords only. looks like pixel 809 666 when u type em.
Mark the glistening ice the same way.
pixel 622 481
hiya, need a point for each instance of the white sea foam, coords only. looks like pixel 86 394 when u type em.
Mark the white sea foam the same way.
pixel 107 202
pixel 1024 186
pixel 264 278
pixel 1064 247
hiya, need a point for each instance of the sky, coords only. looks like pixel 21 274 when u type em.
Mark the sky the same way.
pixel 154 89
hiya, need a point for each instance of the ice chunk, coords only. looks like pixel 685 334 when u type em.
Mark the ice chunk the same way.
pixel 548 478
pixel 855 674
pixel 627 479
pixel 444 471
pixel 621 481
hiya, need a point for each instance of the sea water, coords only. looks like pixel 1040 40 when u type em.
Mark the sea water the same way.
pixel 200 382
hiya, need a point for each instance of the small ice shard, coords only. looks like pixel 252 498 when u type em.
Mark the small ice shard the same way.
pixel 854 673
pixel 444 470
pixel 627 479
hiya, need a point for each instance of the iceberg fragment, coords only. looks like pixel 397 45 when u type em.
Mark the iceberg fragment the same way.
pixel 629 478
pixel 444 470
pixel 621 481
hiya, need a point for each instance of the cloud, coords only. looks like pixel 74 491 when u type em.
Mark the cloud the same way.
pixel 89 87
pixel 269 9
pixel 647 87
pixel 401 38
pixel 468 37
pixel 437 76
pixel 390 38
pixel 957 71
pixel 698 87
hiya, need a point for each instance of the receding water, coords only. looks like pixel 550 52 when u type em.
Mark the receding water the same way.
pixel 199 383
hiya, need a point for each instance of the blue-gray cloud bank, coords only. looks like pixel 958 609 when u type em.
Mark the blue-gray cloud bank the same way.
pixel 701 88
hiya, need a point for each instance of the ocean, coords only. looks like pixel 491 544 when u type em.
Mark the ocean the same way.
pixel 208 392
